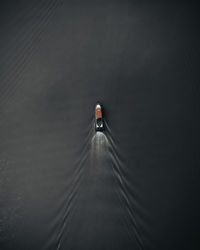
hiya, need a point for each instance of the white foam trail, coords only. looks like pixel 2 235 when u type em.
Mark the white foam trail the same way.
pixel 99 143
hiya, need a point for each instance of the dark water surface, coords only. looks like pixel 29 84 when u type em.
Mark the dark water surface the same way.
pixel 134 186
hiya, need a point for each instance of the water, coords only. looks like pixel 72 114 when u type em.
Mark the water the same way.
pixel 65 186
